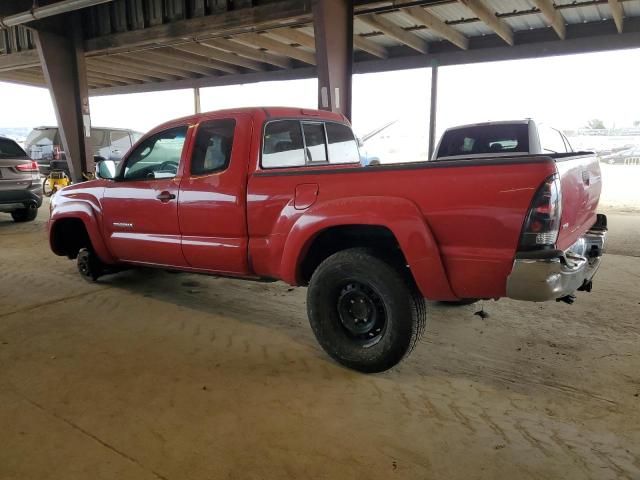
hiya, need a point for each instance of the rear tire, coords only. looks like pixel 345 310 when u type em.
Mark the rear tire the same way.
pixel 24 214
pixel 364 312
pixel 89 265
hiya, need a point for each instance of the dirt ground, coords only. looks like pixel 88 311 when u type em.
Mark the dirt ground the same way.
pixel 151 375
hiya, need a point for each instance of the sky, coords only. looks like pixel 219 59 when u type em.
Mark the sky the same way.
pixel 564 91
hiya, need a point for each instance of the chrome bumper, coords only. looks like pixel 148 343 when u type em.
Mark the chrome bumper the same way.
pixel 541 279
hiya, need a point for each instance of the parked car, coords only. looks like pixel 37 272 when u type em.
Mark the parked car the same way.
pixel 20 188
pixel 280 193
pixel 630 156
pixel 44 145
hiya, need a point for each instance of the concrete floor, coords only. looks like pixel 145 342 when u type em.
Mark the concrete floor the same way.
pixel 151 375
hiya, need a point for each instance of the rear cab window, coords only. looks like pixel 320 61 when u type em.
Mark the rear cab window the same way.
pixel 297 143
pixel 485 139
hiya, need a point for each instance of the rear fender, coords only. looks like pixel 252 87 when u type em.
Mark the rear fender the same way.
pixel 400 216
pixel 84 211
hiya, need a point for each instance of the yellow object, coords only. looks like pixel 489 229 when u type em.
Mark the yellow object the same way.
pixel 54 182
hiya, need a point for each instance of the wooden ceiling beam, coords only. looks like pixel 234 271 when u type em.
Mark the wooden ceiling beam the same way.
pixel 19 60
pixel 9 77
pixel 112 62
pixel 262 41
pixel 172 53
pixel 490 19
pixel 395 31
pixel 250 52
pixel 618 14
pixel 209 51
pixel 141 59
pixel 177 62
pixel 294 35
pixel 262 17
pixel 105 70
pixel 91 78
pixel 437 26
pixel 553 16
pixel 369 46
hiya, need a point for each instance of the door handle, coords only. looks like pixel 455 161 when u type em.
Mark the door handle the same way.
pixel 165 196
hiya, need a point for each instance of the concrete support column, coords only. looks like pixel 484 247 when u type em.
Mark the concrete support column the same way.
pixel 433 110
pixel 333 27
pixel 62 58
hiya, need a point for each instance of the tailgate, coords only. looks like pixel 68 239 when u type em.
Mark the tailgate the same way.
pixel 581 183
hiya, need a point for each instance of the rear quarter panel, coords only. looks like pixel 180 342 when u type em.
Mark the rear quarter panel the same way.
pixel 473 212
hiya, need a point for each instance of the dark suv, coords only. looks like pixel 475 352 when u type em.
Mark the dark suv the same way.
pixel 20 187
pixel 44 145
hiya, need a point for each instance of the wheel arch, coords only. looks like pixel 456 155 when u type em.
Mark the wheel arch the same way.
pixel 393 221
pixel 75 227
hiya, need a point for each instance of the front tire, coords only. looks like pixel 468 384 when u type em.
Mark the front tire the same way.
pixel 364 312
pixel 89 265
pixel 24 215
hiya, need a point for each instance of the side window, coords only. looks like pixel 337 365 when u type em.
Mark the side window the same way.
pixel 283 146
pixel 156 157
pixel 551 140
pixel 314 139
pixel 212 149
pixel 342 144
pixel 120 140
pixel 98 138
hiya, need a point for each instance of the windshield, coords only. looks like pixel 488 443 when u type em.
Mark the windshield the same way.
pixel 10 149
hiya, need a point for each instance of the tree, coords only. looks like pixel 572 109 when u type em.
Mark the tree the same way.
pixel 596 124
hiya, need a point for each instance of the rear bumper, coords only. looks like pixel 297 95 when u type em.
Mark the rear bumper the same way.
pixel 539 278
pixel 11 200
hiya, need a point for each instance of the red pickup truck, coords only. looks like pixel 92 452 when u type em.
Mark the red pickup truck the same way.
pixel 280 193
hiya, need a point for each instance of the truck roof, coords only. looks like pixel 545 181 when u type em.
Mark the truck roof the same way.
pixel 276 112
pixel 498 122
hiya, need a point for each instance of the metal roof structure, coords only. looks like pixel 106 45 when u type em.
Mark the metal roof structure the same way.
pixel 146 45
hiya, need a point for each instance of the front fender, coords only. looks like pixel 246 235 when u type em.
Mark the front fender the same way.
pixel 83 210
pixel 400 216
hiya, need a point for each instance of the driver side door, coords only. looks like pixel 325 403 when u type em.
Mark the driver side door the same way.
pixel 140 207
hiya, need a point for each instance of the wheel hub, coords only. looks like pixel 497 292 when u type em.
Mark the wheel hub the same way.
pixel 83 265
pixel 361 312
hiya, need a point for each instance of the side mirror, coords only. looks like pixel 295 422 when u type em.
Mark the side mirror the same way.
pixel 106 169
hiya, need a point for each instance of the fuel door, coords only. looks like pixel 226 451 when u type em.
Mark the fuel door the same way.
pixel 306 195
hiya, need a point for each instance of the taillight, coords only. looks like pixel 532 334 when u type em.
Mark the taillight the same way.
pixel 28 167
pixel 542 224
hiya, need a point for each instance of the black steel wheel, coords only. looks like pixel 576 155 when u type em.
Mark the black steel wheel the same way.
pixel 365 313
pixel 89 265
pixel 362 313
